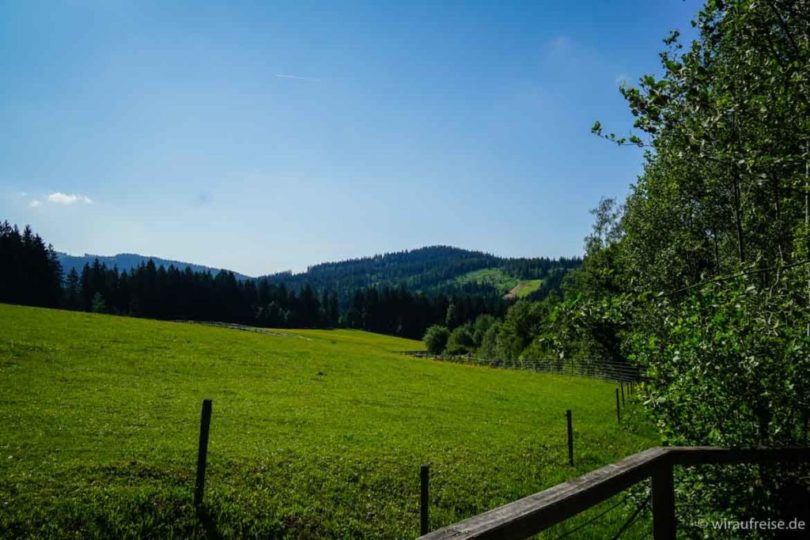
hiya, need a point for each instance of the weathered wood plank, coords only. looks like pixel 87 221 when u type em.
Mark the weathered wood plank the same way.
pixel 540 511
pixel 663 502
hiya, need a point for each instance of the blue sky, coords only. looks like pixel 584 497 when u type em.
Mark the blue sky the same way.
pixel 264 136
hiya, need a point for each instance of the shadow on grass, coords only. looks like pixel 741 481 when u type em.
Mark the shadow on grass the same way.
pixel 208 523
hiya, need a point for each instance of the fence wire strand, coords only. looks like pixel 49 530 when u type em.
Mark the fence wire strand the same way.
pixel 601 368
pixel 593 519
pixel 633 517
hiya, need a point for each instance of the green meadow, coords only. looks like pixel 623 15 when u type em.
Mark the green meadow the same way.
pixel 501 280
pixel 315 433
pixel 525 288
pixel 495 277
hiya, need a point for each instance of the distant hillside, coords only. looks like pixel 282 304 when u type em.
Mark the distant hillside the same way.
pixel 128 261
pixel 432 270
pixel 435 269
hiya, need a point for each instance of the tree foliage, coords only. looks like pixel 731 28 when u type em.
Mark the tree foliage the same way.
pixel 701 278
pixel 436 339
pixel 711 271
pixel 29 270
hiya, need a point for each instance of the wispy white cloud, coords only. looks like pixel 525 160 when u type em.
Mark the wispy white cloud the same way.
pixel 560 44
pixel 35 203
pixel 295 77
pixel 67 199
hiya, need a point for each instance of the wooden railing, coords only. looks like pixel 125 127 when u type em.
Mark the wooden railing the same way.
pixel 535 513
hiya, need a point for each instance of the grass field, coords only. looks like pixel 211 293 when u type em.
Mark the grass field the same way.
pixel 314 433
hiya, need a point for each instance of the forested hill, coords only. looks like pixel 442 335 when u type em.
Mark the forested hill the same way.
pixel 128 262
pixel 401 293
pixel 436 269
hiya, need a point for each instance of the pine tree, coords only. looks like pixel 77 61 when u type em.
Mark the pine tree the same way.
pixel 72 290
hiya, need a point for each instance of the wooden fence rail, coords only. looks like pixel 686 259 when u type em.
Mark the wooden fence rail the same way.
pixel 535 513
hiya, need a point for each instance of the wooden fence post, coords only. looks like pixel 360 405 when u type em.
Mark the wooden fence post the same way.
pixel 618 411
pixel 570 438
pixel 424 498
pixel 202 452
pixel 663 502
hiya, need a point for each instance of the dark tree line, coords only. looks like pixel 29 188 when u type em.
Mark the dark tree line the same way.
pixel 30 274
pixel 171 293
pixel 29 270
pixel 397 311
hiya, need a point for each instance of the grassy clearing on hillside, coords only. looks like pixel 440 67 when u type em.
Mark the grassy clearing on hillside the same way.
pixel 525 288
pixel 502 281
pixel 495 277
pixel 314 433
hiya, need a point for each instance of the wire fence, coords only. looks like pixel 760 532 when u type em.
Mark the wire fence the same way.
pixel 602 368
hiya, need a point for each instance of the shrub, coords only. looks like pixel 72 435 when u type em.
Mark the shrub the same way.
pixel 436 339
pixel 460 341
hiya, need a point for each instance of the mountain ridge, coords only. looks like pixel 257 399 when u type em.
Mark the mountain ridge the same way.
pixel 433 269
pixel 130 261
pixel 429 269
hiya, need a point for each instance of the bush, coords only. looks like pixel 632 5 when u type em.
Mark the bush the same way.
pixel 436 339
pixel 480 327
pixel 489 343
pixel 460 341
